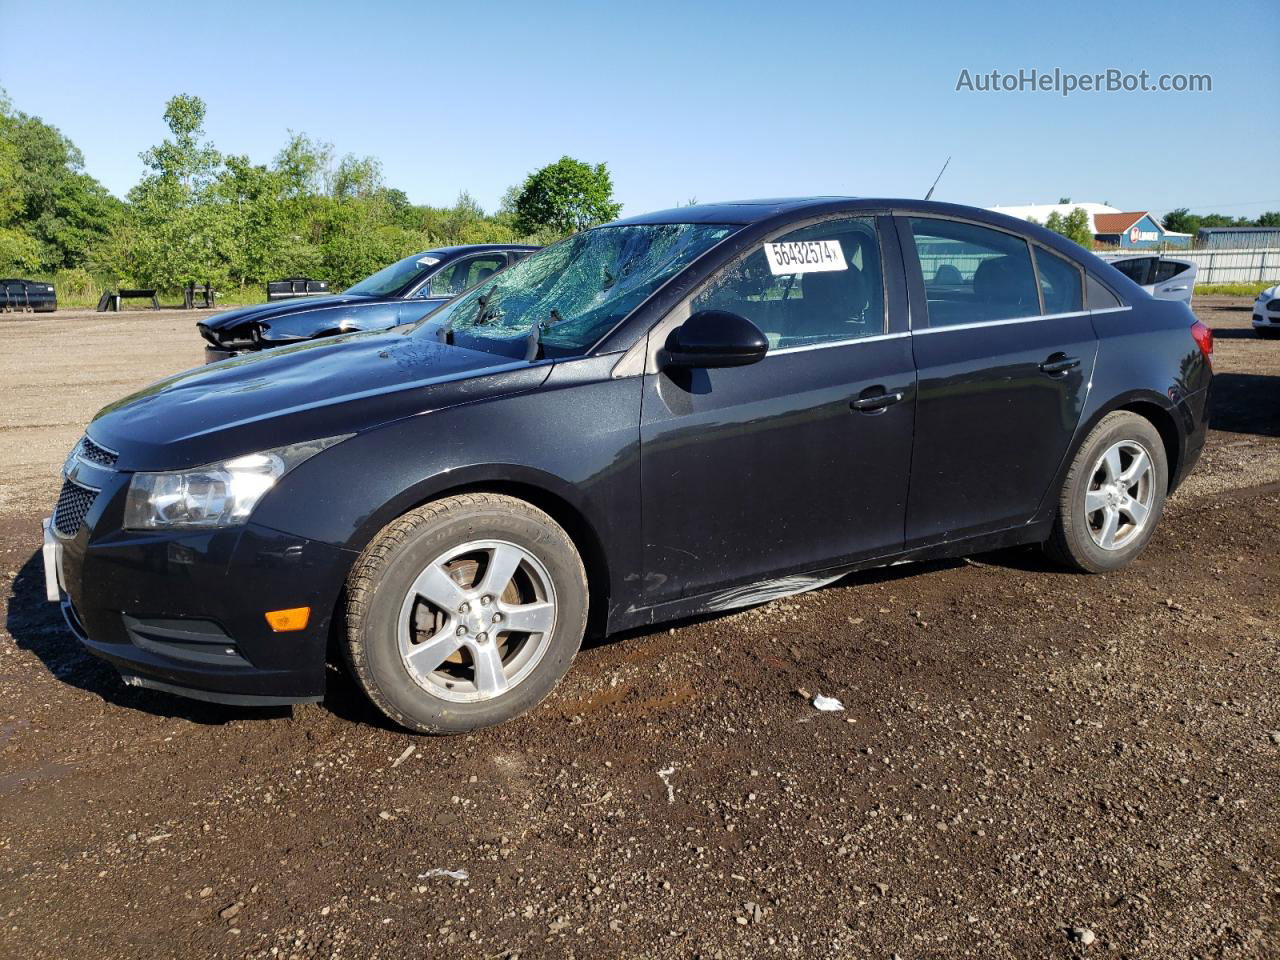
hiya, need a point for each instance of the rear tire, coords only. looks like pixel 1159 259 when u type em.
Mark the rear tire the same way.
pixel 465 612
pixel 1113 495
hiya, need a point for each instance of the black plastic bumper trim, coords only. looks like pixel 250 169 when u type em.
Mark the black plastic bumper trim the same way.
pixel 210 696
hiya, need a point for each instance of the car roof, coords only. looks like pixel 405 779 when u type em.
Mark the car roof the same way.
pixel 446 252
pixel 745 212
pixel 733 211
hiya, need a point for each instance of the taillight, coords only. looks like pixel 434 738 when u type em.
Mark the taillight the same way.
pixel 1204 340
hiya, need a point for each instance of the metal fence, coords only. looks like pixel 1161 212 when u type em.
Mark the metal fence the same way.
pixel 1260 265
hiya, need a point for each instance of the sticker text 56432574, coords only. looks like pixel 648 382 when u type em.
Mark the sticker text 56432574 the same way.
pixel 805 256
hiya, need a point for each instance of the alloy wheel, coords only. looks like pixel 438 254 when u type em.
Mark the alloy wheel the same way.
pixel 1119 498
pixel 477 620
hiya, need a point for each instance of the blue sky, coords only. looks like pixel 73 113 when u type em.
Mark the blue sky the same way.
pixel 682 100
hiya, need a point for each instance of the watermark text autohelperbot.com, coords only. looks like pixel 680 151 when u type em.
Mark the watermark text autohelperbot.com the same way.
pixel 1065 83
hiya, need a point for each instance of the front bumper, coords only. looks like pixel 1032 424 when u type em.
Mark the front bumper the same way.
pixel 214 354
pixel 185 612
pixel 1266 315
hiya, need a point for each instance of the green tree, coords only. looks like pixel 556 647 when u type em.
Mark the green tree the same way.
pixel 1074 226
pixel 51 212
pixel 1270 219
pixel 566 196
pixel 178 231
pixel 1181 220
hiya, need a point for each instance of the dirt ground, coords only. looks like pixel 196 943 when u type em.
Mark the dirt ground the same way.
pixel 1030 763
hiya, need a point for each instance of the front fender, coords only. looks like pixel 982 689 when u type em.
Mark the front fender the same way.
pixel 574 439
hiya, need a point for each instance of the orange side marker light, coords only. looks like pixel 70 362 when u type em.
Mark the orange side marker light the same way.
pixel 295 618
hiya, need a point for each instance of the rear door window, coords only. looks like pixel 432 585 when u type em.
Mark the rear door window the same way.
pixel 819 284
pixel 463 274
pixel 1167 270
pixel 974 274
pixel 1061 283
pixel 1138 269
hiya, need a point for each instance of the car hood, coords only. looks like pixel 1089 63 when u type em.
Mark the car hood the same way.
pixel 1269 293
pixel 316 389
pixel 281 308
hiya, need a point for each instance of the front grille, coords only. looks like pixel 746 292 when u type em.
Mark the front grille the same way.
pixel 1274 305
pixel 73 506
pixel 95 454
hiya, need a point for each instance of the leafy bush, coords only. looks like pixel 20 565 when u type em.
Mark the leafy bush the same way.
pixel 76 285
pixel 1232 289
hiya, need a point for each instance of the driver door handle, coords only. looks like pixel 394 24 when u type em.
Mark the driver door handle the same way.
pixel 875 401
pixel 1059 363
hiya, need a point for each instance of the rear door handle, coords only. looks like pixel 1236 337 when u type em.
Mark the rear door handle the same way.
pixel 1059 363
pixel 870 402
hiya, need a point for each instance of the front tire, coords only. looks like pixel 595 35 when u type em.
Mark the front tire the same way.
pixel 465 612
pixel 1113 495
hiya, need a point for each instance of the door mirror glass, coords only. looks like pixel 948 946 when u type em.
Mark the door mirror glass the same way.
pixel 715 338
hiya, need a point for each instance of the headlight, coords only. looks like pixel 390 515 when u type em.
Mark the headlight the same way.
pixel 217 495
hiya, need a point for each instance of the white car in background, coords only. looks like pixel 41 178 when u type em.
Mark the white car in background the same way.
pixel 1266 312
pixel 1165 278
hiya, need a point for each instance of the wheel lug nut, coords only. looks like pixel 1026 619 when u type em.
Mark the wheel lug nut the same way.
pixel 484 601
pixel 462 631
pixel 481 637
pixel 497 618
pixel 465 608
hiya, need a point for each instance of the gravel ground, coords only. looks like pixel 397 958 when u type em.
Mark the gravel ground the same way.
pixel 1029 763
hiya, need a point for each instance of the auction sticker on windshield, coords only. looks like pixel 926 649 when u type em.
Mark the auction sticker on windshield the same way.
pixel 807 256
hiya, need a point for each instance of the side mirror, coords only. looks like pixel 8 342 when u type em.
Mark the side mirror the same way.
pixel 715 338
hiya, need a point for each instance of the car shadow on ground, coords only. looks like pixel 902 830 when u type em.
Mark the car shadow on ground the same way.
pixel 36 625
pixel 1246 403
pixel 1234 333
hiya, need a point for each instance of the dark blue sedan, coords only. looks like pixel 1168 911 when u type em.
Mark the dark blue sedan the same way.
pixel 672 415
pixel 400 293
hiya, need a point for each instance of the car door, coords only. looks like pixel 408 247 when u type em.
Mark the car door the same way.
pixel 1173 280
pixel 1004 359
pixel 796 462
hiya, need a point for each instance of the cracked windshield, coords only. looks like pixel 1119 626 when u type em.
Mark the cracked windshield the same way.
pixel 579 288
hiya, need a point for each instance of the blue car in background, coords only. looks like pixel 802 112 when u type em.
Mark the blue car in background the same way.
pixel 400 293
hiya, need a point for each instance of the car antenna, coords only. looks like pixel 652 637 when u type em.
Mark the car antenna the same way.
pixel 936 179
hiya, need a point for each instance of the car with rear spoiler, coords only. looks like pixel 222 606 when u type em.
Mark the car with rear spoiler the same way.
pixel 400 293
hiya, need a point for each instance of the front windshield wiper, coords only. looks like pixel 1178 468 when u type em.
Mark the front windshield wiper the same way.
pixel 445 333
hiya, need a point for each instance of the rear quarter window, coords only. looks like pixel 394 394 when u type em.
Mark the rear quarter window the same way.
pixel 1061 283
pixel 1100 298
